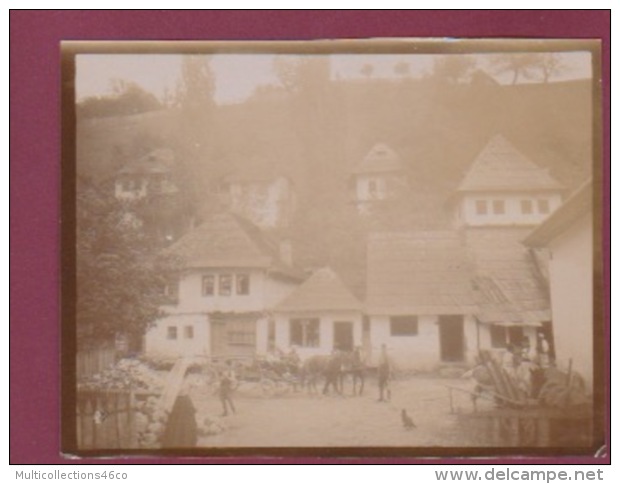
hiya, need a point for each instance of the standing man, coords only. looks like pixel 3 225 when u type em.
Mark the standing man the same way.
pixel 384 373
pixel 332 373
pixel 228 382
pixel 358 369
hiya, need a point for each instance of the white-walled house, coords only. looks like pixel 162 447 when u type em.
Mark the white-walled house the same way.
pixel 420 301
pixel 319 316
pixel 568 236
pixel 504 188
pixel 501 198
pixel 149 175
pixel 231 276
pixel 378 177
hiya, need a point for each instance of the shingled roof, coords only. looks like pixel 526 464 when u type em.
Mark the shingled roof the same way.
pixel 323 290
pixel 576 206
pixel 510 286
pixel 500 166
pixel 228 240
pixel 419 273
pixel 380 159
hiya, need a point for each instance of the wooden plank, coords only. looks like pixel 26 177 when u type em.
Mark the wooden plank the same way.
pixel 174 383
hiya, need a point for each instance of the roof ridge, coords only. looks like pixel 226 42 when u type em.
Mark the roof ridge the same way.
pixel 500 165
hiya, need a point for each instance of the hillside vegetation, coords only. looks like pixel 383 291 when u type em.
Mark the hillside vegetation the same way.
pixel 318 131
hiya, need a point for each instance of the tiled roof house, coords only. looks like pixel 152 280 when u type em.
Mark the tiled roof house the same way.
pixel 231 277
pixel 319 316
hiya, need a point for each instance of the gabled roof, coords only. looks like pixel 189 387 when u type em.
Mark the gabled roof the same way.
pixel 322 291
pixel 576 206
pixel 226 240
pixel 500 166
pixel 419 273
pixel 157 161
pixel 380 159
pixel 510 287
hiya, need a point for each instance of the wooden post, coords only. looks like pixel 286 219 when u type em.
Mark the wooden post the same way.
pixel 131 423
pixel 116 405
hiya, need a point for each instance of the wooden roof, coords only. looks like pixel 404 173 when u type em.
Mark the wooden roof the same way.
pixel 510 287
pixel 500 166
pixel 419 273
pixel 322 291
pixel 226 240
pixel 576 206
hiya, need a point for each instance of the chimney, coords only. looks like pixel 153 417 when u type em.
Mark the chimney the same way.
pixel 286 252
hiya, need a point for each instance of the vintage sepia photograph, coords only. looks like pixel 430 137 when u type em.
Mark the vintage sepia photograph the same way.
pixel 375 247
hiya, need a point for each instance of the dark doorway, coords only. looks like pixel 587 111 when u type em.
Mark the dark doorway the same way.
pixel 343 335
pixel 452 338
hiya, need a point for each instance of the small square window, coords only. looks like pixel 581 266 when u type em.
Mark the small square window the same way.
pixel 526 207
pixel 481 207
pixel 225 286
pixel 499 207
pixel 543 205
pixel 403 325
pixel 172 332
pixel 243 284
pixel 188 332
pixel 208 285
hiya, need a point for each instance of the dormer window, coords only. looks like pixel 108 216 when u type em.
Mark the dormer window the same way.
pixel 208 285
pixel 543 205
pixel 499 207
pixel 481 207
pixel 225 285
pixel 527 207
pixel 243 284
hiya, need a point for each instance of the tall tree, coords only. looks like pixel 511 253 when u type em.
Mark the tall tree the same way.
pixel 550 64
pixel 119 281
pixel 520 66
pixel 196 130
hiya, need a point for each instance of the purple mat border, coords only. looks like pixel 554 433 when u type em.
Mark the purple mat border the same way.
pixel 35 166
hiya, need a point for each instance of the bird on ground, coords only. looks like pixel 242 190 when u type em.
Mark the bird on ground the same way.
pixel 407 422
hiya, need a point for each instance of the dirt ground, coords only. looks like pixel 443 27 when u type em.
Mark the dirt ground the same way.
pixel 299 419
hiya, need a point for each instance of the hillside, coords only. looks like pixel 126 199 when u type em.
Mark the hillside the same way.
pixel 316 135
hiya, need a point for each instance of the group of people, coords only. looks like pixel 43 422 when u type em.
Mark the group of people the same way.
pixel 526 364
pixel 181 428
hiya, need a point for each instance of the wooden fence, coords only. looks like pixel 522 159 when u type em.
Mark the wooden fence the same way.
pixel 105 420
pixel 93 361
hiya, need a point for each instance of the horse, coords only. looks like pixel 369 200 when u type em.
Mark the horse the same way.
pixel 353 364
pixel 312 369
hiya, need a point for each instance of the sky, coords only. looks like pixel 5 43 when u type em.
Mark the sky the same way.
pixel 237 75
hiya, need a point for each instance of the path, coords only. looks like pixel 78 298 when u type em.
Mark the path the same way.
pixel 301 420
